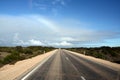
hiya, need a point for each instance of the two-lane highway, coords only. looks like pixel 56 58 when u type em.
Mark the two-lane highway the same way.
pixel 64 65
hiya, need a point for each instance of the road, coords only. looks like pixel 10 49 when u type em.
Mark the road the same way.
pixel 64 65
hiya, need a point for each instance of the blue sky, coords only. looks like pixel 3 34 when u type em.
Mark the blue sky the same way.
pixel 60 23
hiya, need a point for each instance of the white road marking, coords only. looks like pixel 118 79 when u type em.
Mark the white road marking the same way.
pixel 26 76
pixel 67 58
pixel 83 78
pixel 75 68
pixel 72 64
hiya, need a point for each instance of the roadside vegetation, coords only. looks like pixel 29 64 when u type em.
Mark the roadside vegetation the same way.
pixel 10 55
pixel 107 53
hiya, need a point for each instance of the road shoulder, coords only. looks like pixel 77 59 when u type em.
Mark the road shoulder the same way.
pixel 10 72
pixel 108 64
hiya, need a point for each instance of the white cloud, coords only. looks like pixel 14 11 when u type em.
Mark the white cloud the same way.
pixel 63 44
pixel 68 39
pixel 35 42
pixel 55 2
pixel 53 6
pixel 18 41
pixel 39 30
pixel 27 23
pixel 16 37
pixel 40 6
pixel 29 42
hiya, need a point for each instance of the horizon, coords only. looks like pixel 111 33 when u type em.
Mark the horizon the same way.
pixel 61 47
pixel 60 23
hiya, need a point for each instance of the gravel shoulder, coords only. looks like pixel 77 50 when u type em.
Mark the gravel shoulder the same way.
pixel 109 64
pixel 10 72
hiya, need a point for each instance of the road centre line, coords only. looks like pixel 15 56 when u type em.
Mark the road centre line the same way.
pixel 83 78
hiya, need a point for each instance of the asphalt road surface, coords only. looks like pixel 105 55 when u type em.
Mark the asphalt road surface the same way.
pixel 64 65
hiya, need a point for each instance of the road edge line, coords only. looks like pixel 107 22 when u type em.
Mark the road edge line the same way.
pixel 33 68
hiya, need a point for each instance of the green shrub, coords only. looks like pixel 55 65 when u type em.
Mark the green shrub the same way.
pixel 19 53
pixel 14 56
pixel 19 49
pixel 28 51
pixel 0 61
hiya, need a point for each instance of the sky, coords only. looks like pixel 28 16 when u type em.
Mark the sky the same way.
pixel 60 23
